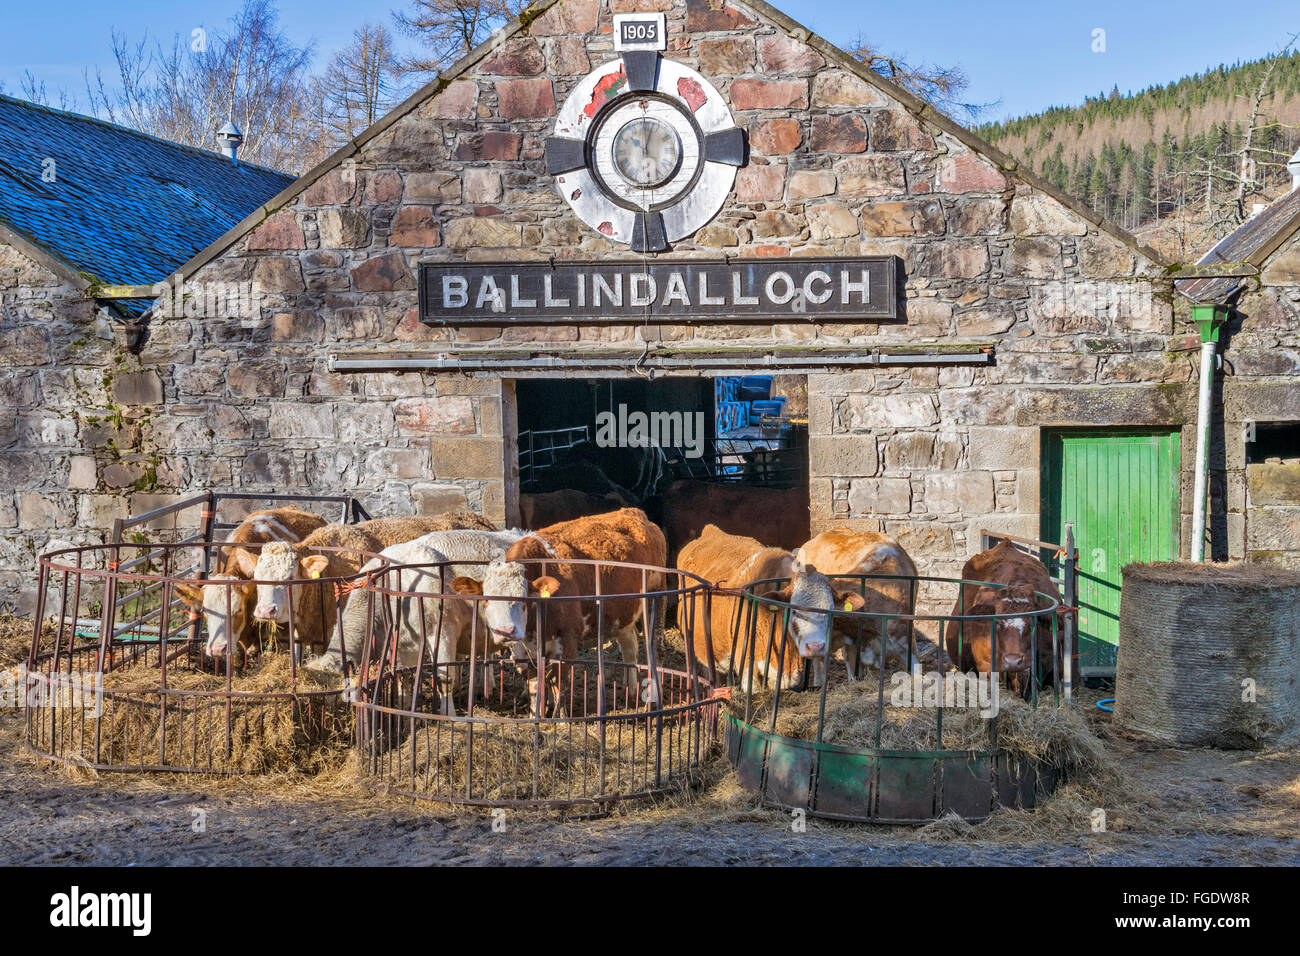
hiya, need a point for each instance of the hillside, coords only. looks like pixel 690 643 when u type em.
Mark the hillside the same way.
pixel 1181 164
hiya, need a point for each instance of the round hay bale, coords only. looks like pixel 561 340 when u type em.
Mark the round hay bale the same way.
pixel 1207 654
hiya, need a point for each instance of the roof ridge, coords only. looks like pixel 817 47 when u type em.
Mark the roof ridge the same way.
pixel 82 117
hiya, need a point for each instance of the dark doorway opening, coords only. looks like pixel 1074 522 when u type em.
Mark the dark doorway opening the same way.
pixel 609 443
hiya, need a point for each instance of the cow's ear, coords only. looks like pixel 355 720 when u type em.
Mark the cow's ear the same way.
pixel 191 594
pixel 242 562
pixel 800 564
pixel 545 586
pixel 464 585
pixel 850 601
pixel 314 565
pixel 783 594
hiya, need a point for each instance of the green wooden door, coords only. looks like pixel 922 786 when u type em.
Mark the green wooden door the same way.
pixel 1120 488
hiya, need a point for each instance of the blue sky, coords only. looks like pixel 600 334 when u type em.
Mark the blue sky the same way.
pixel 1027 55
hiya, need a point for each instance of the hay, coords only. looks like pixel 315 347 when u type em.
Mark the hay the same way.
pixel 1206 655
pixel 1236 574
pixel 1057 736
pixel 525 760
pixel 16 639
pixel 141 727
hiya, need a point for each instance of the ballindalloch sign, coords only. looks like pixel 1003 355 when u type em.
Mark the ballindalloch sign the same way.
pixel 747 290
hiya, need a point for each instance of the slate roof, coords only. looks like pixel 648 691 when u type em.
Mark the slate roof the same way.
pixel 1252 241
pixel 124 207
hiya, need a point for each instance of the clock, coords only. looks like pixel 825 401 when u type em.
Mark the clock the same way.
pixel 645 150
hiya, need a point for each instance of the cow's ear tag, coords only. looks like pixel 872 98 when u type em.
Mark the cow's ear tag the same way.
pixel 848 605
pixel 545 592
pixel 314 573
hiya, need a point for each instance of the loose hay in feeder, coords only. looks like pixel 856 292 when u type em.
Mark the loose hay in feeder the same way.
pixel 1056 736
pixel 501 755
pixel 527 761
pixel 194 725
pixel 1207 654
pixel 15 639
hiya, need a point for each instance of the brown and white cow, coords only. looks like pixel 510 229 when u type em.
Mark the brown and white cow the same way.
pixel 626 535
pixel 778 516
pixel 226 598
pixel 848 551
pixel 734 562
pixel 969 645
pixel 314 605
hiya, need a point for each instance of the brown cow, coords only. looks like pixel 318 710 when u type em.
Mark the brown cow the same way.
pixel 847 551
pixel 969 646
pixel 733 562
pixel 625 535
pixel 225 603
pixel 543 509
pixel 778 516
pixel 314 605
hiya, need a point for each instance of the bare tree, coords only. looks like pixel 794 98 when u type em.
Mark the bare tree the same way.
pixel 448 29
pixel 34 91
pixel 940 86
pixel 359 84
pixel 248 72
pixel 1255 158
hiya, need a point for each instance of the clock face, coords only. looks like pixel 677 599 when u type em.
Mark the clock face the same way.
pixel 647 151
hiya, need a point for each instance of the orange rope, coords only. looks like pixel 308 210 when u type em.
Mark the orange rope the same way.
pixel 342 589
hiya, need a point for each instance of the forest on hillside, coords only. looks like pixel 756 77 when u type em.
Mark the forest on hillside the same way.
pixel 1181 164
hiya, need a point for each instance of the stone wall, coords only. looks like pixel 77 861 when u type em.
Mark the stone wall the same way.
pixel 65 437
pixel 1259 505
pixel 1084 330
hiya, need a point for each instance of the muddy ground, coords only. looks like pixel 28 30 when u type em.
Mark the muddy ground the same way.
pixel 1174 807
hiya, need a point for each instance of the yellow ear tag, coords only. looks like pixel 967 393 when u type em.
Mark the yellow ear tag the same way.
pixel 848 605
pixel 545 592
pixel 314 573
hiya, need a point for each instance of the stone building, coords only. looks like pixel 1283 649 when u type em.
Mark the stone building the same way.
pixel 1024 333
pixel 92 215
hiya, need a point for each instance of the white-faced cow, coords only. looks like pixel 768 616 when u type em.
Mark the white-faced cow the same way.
pixel 626 535
pixel 225 597
pixel 315 605
pixel 461 566
pixel 733 562
pixel 847 551
pixel 969 644
pixel 430 609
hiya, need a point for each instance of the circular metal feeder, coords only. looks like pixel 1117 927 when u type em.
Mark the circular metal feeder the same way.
pixel 875 784
pixel 119 679
pixel 523 727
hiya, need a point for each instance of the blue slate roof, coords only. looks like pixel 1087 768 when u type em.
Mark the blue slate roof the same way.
pixel 124 207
